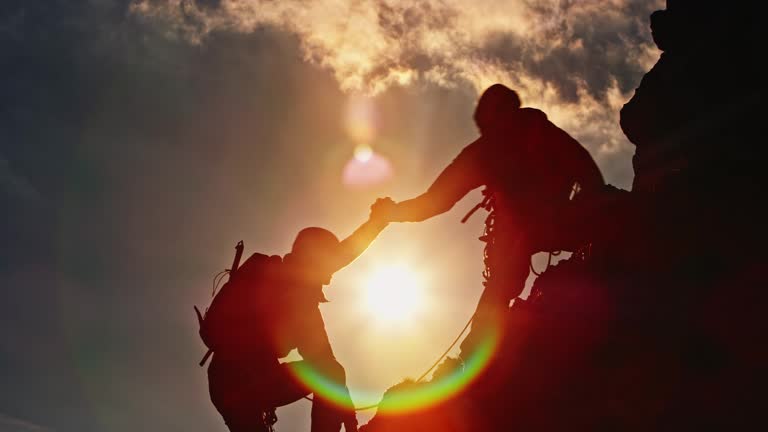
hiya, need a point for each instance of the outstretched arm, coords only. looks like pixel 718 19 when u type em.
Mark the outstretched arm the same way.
pixel 354 245
pixel 456 180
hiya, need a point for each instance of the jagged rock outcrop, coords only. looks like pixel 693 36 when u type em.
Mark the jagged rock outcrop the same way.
pixel 662 326
pixel 696 121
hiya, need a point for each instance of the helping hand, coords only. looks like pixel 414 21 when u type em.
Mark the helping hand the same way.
pixel 382 210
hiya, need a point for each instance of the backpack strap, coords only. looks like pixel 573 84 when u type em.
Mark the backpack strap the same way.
pixel 206 357
pixel 210 351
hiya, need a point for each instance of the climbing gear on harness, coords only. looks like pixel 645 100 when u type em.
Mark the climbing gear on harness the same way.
pixel 485 203
pixel 269 417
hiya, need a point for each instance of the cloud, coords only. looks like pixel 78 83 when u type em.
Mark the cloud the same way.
pixel 578 60
pixel 370 44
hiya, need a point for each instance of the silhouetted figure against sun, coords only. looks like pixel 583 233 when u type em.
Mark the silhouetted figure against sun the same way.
pixel 659 325
pixel 531 169
pixel 268 308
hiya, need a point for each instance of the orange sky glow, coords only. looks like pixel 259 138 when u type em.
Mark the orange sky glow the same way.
pixel 381 56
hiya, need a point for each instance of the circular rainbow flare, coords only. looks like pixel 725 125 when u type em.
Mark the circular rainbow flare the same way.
pixel 416 397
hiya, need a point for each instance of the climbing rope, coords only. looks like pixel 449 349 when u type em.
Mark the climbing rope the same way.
pixel 424 375
pixel 220 277
pixel 486 203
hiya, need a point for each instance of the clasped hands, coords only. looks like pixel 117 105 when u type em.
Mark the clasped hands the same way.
pixel 383 210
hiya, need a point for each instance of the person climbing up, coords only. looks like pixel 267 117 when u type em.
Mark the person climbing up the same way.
pixel 268 308
pixel 531 169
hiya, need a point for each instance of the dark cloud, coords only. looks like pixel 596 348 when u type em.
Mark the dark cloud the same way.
pixel 579 48
pixel 404 20
pixel 570 45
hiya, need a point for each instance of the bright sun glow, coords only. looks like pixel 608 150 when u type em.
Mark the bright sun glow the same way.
pixel 363 153
pixel 394 294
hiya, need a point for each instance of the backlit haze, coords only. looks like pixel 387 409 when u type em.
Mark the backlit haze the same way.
pixel 140 140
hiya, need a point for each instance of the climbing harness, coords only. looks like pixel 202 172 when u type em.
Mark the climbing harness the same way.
pixel 487 237
pixel 486 203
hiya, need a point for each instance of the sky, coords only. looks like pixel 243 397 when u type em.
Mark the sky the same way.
pixel 140 140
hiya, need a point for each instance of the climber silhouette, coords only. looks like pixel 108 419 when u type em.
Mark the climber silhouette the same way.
pixel 660 324
pixel 531 169
pixel 268 308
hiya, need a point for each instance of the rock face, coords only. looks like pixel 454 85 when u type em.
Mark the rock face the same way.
pixel 696 118
pixel 694 111
pixel 662 326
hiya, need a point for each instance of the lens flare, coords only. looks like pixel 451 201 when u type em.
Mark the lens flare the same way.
pixel 360 119
pixel 363 153
pixel 438 390
pixel 366 168
pixel 419 397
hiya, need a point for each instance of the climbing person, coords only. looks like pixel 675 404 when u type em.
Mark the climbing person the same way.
pixel 531 170
pixel 268 308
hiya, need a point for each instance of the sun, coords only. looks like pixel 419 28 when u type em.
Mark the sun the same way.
pixel 394 294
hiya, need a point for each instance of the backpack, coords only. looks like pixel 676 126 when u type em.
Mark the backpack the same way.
pixel 229 319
